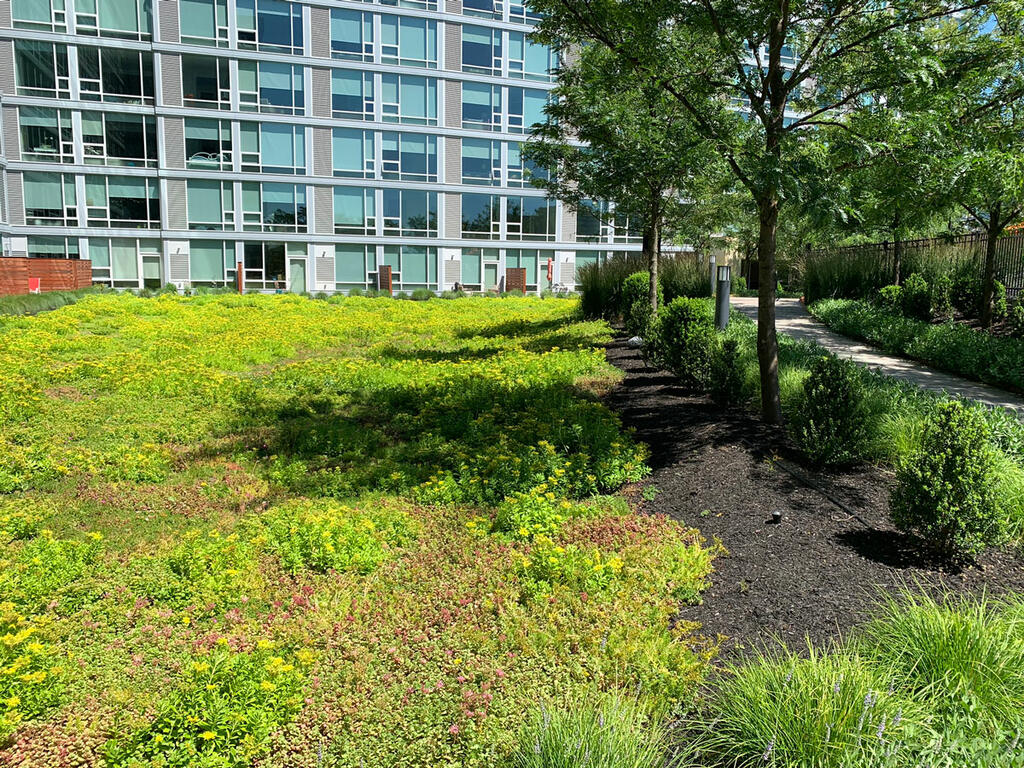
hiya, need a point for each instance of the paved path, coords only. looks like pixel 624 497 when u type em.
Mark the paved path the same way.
pixel 793 319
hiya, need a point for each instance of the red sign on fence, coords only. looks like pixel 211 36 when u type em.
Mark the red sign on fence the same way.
pixel 34 284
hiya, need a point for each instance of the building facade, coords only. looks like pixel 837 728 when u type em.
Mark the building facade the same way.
pixel 305 143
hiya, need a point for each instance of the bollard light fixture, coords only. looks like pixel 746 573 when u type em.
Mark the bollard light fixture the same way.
pixel 724 273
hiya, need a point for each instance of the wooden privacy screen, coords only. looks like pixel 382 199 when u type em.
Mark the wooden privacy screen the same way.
pixel 53 274
pixel 384 278
pixel 515 280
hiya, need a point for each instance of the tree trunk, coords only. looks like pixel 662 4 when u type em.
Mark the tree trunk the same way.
pixel 897 250
pixel 651 248
pixel 988 289
pixel 767 339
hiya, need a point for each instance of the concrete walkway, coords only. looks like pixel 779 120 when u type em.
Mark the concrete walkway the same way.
pixel 793 319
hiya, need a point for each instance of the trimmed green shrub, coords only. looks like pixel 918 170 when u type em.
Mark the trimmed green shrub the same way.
pixel 945 491
pixel 942 297
pixel 726 381
pixel 891 298
pixel 916 302
pixel 967 289
pixel 1016 318
pixel 684 340
pixel 999 306
pixel 637 313
pixel 422 294
pixel 832 426
pixel 612 732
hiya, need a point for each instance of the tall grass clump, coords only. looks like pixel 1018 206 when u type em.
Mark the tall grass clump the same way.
pixel 820 709
pixel 601 286
pixel 683 276
pixel 611 731
pixel 855 275
pixel 963 657
pixel 34 303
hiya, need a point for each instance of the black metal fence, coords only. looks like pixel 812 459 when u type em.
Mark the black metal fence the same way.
pixel 955 252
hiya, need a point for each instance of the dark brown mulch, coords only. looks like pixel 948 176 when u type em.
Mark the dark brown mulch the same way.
pixel 816 574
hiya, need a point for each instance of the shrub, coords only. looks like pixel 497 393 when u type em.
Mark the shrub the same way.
pixel 832 424
pixel 31 678
pixel 967 289
pixel 547 566
pixel 1016 318
pixel 324 536
pixel 964 656
pixel 531 514
pixel 891 298
pixel 422 294
pixel 788 709
pixel 636 303
pixel 915 300
pixel 942 297
pixel 222 713
pixel 601 286
pixel 945 491
pixel 999 306
pixel 683 276
pixel 726 381
pixel 609 732
pixel 685 339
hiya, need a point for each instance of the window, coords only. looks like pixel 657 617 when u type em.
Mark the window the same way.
pixel 115 75
pixel 211 262
pixel 481 162
pixel 408 41
pixel 208 144
pixel 351 34
pixel 353 153
pixel 412 266
pixel 204 22
pixel 409 156
pixel 47 247
pixel 265 264
pixel 481 50
pixel 42 69
pixel 423 5
pixel 273 207
pixel 586 258
pixel 205 82
pixel 626 230
pixel 269 25
pixel 110 138
pixel 481 216
pixel 525 109
pixel 354 211
pixel 116 201
pixel 525 259
pixel 129 19
pixel 410 213
pixel 352 94
pixel 519 11
pixel 46 135
pixel 481 106
pixel 408 99
pixel 528 60
pixel 486 9
pixel 50 199
pixel 269 86
pixel 480 268
pixel 211 204
pixel 48 15
pixel 591 223
pixel 122 262
pixel 518 170
pixel 272 148
pixel 530 218
pixel 351 265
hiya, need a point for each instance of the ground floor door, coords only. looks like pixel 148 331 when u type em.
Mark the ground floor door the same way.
pixel 490 277
pixel 297 275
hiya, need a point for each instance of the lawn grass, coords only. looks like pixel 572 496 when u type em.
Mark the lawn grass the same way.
pixel 261 528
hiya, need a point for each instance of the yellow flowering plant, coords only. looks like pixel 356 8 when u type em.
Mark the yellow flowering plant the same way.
pixel 31 677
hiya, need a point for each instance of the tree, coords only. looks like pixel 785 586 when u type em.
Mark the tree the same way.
pixel 633 146
pixel 758 78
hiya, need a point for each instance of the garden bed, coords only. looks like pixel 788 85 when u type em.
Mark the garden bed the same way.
pixel 821 570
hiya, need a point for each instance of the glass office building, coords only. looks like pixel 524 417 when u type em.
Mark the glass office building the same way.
pixel 305 143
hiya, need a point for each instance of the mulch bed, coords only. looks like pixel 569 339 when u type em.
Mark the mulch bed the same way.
pixel 818 572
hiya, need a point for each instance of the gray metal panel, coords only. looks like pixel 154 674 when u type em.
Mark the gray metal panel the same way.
pixel 453 47
pixel 321 78
pixel 174 142
pixel 170 78
pixel 177 215
pixel 167 17
pixel 568 224
pixel 320 31
pixel 12 141
pixel 5 14
pixel 324 269
pixel 452 271
pixel 322 149
pixel 15 199
pixel 452 160
pixel 7 80
pixel 452 215
pixel 567 272
pixel 178 270
pixel 453 6
pixel 453 103
pixel 323 213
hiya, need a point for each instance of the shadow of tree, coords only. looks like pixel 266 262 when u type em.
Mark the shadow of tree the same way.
pixel 895 549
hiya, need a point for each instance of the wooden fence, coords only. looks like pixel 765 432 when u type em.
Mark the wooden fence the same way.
pixel 53 274
pixel 1009 266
